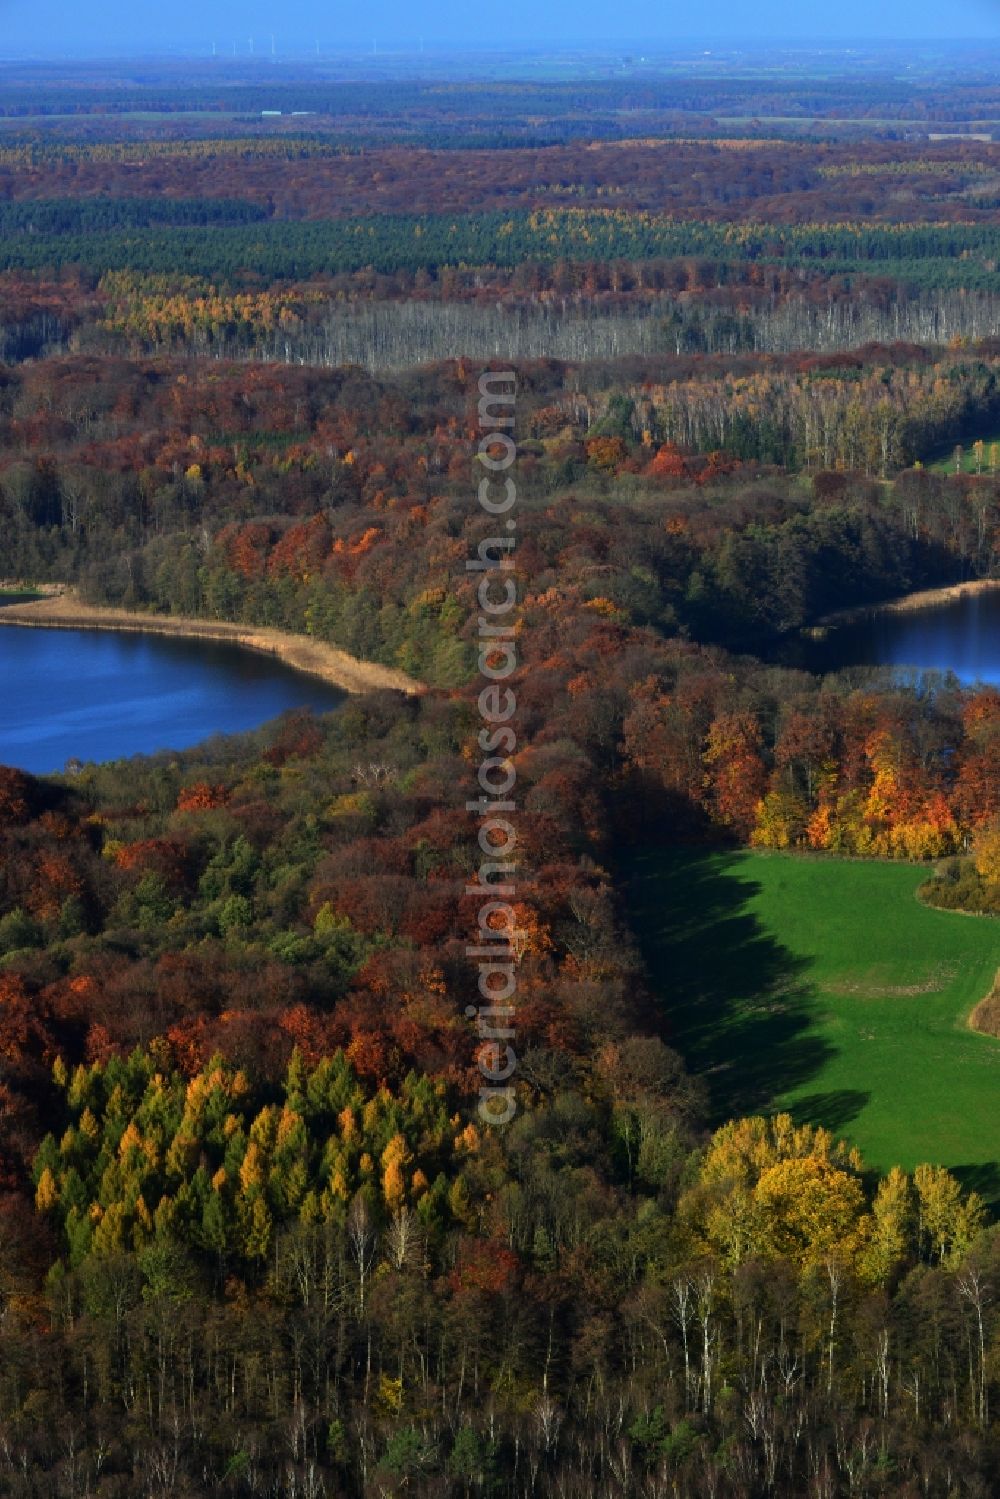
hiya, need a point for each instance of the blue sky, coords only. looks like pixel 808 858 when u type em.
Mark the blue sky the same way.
pixel 56 26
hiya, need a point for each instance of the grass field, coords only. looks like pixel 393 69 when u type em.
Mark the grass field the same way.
pixel 823 986
pixel 942 460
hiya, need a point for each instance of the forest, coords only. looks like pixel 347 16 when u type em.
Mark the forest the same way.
pixel 256 1237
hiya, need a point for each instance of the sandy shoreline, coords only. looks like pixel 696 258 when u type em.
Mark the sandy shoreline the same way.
pixel 923 599
pixel 61 609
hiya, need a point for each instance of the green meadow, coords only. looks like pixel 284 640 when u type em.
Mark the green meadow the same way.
pixel 986 462
pixel 824 987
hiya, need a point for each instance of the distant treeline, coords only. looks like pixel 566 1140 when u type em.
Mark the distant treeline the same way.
pixel 927 256
pixel 47 217
pixel 313 324
pixel 877 94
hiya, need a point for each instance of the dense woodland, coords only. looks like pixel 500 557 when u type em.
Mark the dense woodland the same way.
pixel 254 1237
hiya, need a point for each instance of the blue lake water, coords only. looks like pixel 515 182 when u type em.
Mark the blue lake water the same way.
pixel 962 636
pixel 95 695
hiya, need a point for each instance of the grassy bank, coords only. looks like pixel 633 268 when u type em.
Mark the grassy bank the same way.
pixel 10 596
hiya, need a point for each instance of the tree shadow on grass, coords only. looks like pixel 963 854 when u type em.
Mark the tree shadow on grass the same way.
pixel 984 1178
pixel 735 1002
pixel 834 1110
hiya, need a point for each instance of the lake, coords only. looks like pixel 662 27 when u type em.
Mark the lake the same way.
pixel 960 635
pixel 100 695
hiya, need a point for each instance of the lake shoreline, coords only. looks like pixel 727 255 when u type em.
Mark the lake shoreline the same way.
pixel 923 598
pixel 61 609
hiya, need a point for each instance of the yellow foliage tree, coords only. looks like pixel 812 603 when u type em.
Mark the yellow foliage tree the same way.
pixel 986 853
pixel 257 1225
pixel 782 818
pixel 893 1229
pixel 771 1187
pixel 948 1222
pixel 395 1156
pixel 252 1169
pixel 46 1193
pixel 809 1208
